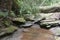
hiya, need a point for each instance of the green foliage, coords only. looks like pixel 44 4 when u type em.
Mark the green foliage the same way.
pixel 27 6
pixel 3 14
pixel 30 6
pixel 50 2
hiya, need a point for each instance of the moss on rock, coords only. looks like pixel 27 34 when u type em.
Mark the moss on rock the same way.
pixel 19 19
pixel 11 29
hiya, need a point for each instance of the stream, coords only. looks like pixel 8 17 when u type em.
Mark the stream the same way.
pixel 18 34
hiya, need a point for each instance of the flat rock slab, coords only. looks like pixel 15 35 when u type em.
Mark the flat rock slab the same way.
pixel 56 30
pixel 16 36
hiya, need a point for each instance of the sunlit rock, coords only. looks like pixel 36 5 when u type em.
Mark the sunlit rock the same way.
pixel 55 30
pixel 19 19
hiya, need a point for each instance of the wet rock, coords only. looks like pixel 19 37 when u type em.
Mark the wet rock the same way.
pixel 37 20
pixel 27 24
pixel 56 30
pixel 48 25
pixel 57 38
pixel 35 26
pixel 51 16
pixel 51 20
pixel 2 33
pixel 15 36
pixel 8 30
pixel 19 19
pixel 29 17
pixel 50 9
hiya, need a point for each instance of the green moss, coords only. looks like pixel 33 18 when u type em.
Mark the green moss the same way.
pixel 7 23
pixel 11 29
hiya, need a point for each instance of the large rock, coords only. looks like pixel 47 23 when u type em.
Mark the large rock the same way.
pixel 7 30
pixel 55 30
pixel 15 36
pixel 29 17
pixel 19 19
pixel 51 20
pixel 50 9
pixel 50 16
pixel 37 18
pixel 27 24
